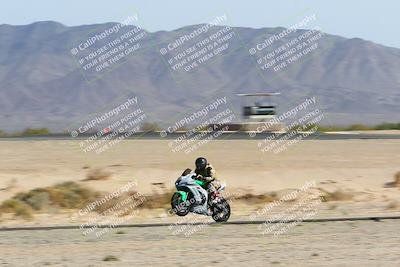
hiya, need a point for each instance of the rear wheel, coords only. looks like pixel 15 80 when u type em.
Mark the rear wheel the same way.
pixel 221 210
pixel 179 206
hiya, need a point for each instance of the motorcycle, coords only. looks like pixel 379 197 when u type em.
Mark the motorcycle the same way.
pixel 192 194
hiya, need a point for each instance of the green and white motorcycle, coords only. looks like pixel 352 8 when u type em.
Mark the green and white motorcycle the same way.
pixel 192 196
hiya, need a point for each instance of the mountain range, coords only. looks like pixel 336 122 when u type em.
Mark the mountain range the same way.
pixel 43 84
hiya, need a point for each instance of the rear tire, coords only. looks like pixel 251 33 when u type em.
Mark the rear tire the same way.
pixel 221 211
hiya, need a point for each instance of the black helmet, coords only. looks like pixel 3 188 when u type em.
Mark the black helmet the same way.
pixel 201 163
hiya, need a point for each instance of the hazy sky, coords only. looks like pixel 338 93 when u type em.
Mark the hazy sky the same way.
pixel 377 21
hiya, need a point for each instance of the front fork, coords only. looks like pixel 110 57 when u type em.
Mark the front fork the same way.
pixel 213 196
pixel 184 195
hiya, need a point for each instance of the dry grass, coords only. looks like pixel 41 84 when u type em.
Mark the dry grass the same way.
pixel 159 200
pixel 397 178
pixel 396 182
pixel 393 205
pixel 110 258
pixel 19 208
pixel 97 175
pixel 155 200
pixel 125 199
pixel 250 198
pixel 70 195
pixel 332 206
pixel 338 195
pixel 67 195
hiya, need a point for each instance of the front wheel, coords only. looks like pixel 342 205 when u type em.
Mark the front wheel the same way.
pixel 221 210
pixel 178 205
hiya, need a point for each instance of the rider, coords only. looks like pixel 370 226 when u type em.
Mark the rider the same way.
pixel 206 172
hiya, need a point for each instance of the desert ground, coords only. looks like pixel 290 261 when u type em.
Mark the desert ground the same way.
pixel 361 165
pixel 310 244
pixel 360 169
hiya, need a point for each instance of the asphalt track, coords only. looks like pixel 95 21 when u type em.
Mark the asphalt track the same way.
pixel 220 136
pixel 313 220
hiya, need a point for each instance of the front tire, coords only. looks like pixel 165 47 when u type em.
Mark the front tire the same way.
pixel 179 207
